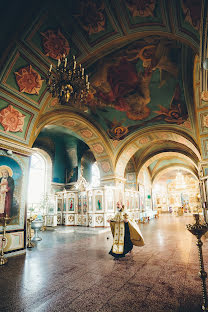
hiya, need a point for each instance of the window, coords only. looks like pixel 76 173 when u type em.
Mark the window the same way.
pixel 95 175
pixel 37 180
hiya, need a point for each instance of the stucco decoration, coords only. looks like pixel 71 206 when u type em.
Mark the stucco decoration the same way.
pixel 92 17
pixel 98 148
pixel 86 133
pixel 55 44
pixel 11 119
pixel 28 80
pixel 105 166
pixel 144 140
pixel 141 8
pixel 187 125
pixel 70 123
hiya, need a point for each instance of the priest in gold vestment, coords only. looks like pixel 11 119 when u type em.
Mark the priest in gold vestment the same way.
pixel 126 233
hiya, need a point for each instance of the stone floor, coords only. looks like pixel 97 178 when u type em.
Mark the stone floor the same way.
pixel 72 271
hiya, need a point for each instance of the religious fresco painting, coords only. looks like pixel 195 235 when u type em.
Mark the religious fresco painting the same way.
pixel 192 12
pixel 10 188
pixel 139 85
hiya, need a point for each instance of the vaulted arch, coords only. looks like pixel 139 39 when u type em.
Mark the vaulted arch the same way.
pixel 86 131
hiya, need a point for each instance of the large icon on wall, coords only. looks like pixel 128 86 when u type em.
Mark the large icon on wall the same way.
pixel 10 188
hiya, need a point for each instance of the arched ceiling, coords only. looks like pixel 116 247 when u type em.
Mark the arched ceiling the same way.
pixel 165 162
pixel 139 56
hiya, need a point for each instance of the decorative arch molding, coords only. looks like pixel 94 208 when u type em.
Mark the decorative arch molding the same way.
pixel 175 167
pixel 85 130
pixel 145 140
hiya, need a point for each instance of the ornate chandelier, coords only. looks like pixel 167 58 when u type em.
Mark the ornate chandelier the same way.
pixel 70 84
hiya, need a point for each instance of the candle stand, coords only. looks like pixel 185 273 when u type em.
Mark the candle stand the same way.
pixel 3 222
pixel 198 230
pixel 29 235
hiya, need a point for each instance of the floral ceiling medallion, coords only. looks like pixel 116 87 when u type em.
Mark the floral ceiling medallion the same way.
pixel 55 44
pixel 11 119
pixel 28 80
pixel 91 16
pixel 142 8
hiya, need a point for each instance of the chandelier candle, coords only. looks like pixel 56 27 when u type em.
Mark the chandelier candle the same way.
pixel 69 83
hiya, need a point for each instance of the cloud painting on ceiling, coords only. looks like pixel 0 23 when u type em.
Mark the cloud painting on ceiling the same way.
pixel 138 86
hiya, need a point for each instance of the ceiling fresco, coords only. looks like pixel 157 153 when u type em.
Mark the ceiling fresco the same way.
pixel 140 85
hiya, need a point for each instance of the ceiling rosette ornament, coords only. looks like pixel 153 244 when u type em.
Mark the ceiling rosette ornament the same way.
pixel 55 44
pixel 142 8
pixel 92 17
pixel 11 119
pixel 28 80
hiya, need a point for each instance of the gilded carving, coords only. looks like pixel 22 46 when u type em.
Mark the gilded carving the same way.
pixel 99 219
pixel 105 166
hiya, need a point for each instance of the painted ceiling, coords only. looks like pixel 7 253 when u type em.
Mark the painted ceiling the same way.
pixel 140 85
pixel 139 56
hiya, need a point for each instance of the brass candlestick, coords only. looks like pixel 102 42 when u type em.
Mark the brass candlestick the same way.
pixel 29 236
pixel 199 230
pixel 3 221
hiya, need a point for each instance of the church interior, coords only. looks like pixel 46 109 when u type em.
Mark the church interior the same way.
pixel 103 103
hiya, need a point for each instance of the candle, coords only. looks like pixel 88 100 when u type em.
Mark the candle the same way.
pixel 59 62
pixel 50 68
pixel 86 78
pixel 65 62
pixel 75 64
pixel 88 86
pixel 74 57
pixel 82 71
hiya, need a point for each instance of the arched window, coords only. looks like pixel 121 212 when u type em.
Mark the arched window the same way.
pixel 95 175
pixel 39 180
